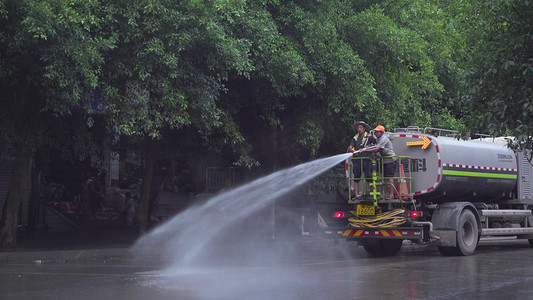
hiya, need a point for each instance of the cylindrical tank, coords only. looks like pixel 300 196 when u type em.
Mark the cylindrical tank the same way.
pixel 448 169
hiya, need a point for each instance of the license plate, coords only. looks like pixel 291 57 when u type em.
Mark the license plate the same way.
pixel 366 210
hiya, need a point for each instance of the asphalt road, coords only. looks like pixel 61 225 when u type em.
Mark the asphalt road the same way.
pixel 500 269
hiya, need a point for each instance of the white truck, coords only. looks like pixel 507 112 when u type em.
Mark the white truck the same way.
pixel 449 193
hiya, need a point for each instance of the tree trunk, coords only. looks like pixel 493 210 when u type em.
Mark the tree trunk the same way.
pixel 10 211
pixel 152 149
pixel 33 208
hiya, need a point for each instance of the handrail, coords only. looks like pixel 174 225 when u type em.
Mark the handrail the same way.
pixel 454 132
pixel 379 175
pixel 408 129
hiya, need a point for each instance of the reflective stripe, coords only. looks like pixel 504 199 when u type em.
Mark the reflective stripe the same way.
pixel 478 174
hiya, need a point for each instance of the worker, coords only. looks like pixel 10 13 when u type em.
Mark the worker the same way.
pixel 384 146
pixel 359 141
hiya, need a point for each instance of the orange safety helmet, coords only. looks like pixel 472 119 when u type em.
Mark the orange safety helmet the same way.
pixel 379 128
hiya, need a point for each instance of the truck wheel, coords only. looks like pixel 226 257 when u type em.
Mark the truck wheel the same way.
pixel 467 236
pixel 378 247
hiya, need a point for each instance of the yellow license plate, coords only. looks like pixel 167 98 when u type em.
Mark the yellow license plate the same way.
pixel 366 210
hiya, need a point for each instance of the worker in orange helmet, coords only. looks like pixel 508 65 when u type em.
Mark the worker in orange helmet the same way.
pixel 384 146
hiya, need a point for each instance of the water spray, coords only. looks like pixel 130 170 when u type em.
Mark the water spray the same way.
pixel 183 239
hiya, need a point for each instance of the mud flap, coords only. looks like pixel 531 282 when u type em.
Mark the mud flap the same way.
pixel 447 238
pixel 445 221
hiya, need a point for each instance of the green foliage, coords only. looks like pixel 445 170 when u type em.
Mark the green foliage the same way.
pixel 294 73
pixel 334 84
pixel 50 60
pixel 58 29
pixel 397 57
pixel 264 83
pixel 498 68
pixel 246 161
pixel 311 136
pixel 169 64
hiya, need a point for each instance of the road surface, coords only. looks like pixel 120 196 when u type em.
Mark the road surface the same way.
pixel 500 269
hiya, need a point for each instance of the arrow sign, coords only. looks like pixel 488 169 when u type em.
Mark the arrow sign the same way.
pixel 424 143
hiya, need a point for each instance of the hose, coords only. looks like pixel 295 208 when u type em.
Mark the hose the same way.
pixel 391 218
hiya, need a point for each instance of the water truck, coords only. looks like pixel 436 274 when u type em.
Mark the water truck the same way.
pixel 448 193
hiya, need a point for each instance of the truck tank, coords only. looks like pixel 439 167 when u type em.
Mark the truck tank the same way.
pixel 445 169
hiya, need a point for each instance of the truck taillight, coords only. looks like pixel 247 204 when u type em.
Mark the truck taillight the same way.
pixel 340 214
pixel 412 214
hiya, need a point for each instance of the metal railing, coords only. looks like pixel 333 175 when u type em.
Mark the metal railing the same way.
pixel 373 188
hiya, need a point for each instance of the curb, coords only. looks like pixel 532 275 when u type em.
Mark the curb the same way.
pixel 63 255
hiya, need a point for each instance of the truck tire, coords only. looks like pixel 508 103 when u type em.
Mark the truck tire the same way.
pixel 379 247
pixel 467 236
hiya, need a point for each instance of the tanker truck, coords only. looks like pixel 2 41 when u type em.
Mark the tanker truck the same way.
pixel 448 193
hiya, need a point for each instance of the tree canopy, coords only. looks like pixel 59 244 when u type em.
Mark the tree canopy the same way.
pixel 232 69
pixel 497 67
pixel 263 83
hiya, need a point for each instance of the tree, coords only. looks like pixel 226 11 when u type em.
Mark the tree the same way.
pixel 352 61
pixel 498 67
pixel 261 82
pixel 318 67
pixel 49 59
pixel 166 71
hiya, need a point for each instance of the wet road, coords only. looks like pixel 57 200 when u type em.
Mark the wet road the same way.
pixel 304 270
